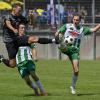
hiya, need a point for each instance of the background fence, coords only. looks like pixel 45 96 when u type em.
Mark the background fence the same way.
pixel 51 51
pixel 89 9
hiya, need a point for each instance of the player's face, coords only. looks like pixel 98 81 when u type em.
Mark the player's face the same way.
pixel 76 20
pixel 21 30
pixel 18 10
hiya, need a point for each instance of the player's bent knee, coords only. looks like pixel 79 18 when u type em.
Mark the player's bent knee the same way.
pixel 12 64
pixel 76 72
pixel 28 83
pixel 35 77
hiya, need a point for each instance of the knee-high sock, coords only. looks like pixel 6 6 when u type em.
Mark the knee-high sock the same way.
pixel 33 86
pixel 74 80
pixel 40 86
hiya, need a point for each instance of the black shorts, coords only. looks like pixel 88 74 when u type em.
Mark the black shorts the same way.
pixel 12 47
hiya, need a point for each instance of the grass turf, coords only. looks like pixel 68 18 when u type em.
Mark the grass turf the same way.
pixel 56 78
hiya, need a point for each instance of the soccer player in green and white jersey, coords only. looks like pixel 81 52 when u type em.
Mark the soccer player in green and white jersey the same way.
pixel 26 66
pixel 77 31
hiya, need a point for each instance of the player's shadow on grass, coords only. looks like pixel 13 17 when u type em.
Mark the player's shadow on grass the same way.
pixel 49 94
pixel 84 94
pixel 29 95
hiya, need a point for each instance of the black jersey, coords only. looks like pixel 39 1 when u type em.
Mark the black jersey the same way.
pixel 8 34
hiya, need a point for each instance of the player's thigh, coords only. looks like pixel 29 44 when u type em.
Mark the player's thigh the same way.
pixel 27 79
pixel 31 68
pixel 34 76
pixel 12 62
pixel 75 61
pixel 12 50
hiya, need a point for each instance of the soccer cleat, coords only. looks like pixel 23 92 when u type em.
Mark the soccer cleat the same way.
pixel 44 94
pixel 36 92
pixel 73 91
pixel 1 57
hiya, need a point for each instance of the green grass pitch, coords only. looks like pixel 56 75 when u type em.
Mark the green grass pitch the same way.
pixel 56 78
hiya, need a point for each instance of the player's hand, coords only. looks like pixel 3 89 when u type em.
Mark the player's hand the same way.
pixel 35 60
pixel 15 31
pixel 57 40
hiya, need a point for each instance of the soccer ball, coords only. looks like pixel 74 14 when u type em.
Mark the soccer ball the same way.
pixel 69 40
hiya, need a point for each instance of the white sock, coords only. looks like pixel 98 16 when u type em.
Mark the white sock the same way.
pixel 74 80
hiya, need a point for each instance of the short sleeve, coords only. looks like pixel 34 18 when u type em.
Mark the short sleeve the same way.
pixel 8 17
pixel 62 29
pixel 32 46
pixel 87 31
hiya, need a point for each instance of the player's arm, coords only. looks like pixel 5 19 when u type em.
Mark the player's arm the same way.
pixel 95 28
pixel 35 39
pixel 34 52
pixel 8 24
pixel 61 30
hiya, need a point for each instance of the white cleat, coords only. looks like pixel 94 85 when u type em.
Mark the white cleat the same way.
pixel 73 91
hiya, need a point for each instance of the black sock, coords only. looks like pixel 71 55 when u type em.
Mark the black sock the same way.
pixel 6 62
pixel 44 40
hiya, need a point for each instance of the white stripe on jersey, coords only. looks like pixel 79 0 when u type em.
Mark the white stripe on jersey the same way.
pixel 29 54
pixel 24 53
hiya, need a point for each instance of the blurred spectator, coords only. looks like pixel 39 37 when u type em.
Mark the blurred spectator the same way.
pixel 35 13
pixel 64 16
pixel 71 11
pixel 31 19
pixel 97 13
pixel 83 14
pixel 43 19
pixel 49 17
pixel 56 17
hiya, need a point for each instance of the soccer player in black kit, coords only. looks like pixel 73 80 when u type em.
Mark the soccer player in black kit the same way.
pixel 12 40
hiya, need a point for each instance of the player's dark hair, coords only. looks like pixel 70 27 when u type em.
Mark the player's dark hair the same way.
pixel 77 14
pixel 16 4
pixel 21 24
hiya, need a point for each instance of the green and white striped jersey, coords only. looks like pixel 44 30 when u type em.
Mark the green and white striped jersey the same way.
pixel 24 54
pixel 77 33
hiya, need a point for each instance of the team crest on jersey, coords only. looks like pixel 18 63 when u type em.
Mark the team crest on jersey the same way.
pixel 74 33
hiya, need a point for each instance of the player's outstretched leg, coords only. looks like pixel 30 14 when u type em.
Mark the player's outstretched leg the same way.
pixel 31 84
pixel 7 62
pixel 38 83
pixel 75 64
